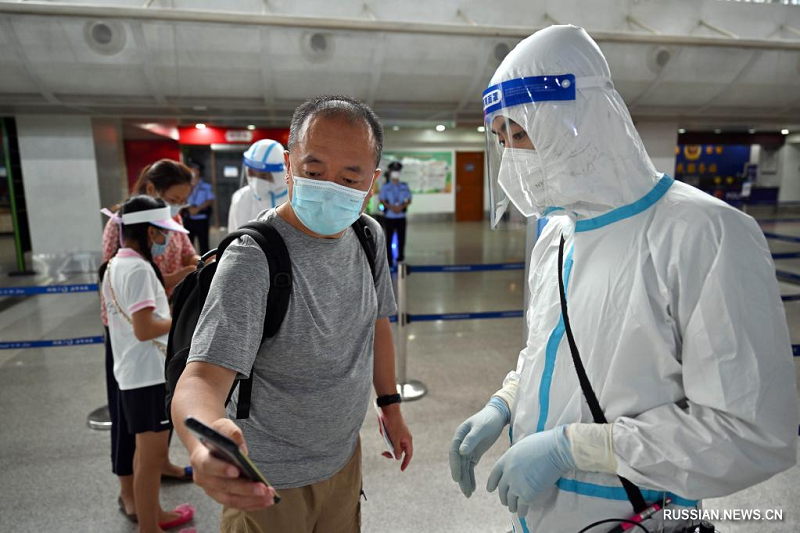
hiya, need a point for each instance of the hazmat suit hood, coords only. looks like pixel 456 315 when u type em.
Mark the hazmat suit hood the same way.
pixel 588 157
pixel 264 172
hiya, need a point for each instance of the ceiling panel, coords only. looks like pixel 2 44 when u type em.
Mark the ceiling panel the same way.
pixel 15 78
pixel 180 66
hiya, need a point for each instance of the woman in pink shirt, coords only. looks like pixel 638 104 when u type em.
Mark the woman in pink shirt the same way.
pixel 172 182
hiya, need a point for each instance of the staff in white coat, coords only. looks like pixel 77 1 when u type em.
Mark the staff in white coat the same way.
pixel 262 166
pixel 673 307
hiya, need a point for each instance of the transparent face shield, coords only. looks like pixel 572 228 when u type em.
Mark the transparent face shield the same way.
pixel 519 170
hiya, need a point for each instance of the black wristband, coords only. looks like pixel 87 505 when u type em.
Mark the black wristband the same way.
pixel 389 399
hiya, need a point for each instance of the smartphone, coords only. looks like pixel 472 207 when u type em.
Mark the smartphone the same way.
pixel 387 440
pixel 226 450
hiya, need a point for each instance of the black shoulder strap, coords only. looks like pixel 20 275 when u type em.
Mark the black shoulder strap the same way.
pixel 367 240
pixel 280 275
pixel 633 492
pixel 280 270
pixel 280 290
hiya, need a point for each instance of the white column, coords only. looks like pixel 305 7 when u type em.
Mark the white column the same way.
pixel 660 139
pixel 59 172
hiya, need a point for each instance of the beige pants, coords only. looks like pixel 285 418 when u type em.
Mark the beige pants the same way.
pixel 330 506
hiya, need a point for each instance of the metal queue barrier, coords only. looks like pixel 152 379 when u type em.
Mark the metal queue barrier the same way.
pixel 35 290
pixel 99 418
pixel 408 389
pixel 784 275
pixel 32 290
pixel 411 389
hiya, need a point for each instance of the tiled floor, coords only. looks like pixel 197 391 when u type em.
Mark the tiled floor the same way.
pixel 54 470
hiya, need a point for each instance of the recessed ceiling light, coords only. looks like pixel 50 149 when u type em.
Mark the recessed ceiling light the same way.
pixel 717 130
pixel 481 129
pixel 395 128
pixel 200 126
pixel 785 132
pixel 440 127
pixel 251 127
pixel 751 130
pixel 681 131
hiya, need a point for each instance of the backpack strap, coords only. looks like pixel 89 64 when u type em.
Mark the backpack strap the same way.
pixel 280 290
pixel 280 270
pixel 634 494
pixel 280 276
pixel 367 240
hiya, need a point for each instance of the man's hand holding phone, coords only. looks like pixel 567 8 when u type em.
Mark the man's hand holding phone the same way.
pixel 222 480
pixel 396 434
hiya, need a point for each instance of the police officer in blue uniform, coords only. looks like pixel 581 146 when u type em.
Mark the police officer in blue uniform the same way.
pixel 395 196
pixel 197 215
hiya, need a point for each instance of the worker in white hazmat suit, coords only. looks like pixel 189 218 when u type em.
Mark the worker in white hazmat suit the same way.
pixel 671 300
pixel 262 167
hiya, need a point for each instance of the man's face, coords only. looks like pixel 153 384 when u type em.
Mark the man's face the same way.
pixel 510 134
pixel 333 149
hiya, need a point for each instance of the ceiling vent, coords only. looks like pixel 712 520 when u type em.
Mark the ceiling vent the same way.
pixel 317 47
pixel 658 57
pixel 501 50
pixel 104 37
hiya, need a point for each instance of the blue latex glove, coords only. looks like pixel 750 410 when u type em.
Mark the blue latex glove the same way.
pixel 530 467
pixel 472 439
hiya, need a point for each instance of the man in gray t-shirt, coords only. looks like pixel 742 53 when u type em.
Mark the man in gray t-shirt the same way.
pixel 311 381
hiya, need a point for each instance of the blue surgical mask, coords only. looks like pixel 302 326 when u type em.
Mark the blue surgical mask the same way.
pixel 159 249
pixel 325 207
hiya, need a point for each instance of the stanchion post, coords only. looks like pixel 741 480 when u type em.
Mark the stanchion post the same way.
pixel 99 419
pixel 409 390
pixel 402 334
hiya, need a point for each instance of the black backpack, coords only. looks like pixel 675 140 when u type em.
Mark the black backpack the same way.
pixel 190 296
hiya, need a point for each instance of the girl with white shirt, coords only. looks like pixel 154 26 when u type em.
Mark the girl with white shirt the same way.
pixel 139 321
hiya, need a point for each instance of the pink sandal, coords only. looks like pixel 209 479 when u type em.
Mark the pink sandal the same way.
pixel 186 513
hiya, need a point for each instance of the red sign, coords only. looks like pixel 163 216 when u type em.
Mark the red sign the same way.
pixel 239 136
pixel 215 135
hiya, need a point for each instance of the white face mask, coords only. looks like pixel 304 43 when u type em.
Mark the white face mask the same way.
pixel 522 179
pixel 261 188
pixel 174 209
pixel 395 175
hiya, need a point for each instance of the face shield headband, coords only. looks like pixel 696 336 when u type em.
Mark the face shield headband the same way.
pixel 264 167
pixel 528 91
